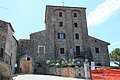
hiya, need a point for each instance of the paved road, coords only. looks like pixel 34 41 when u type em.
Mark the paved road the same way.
pixel 42 77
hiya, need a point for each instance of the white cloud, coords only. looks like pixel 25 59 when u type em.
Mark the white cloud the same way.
pixel 115 44
pixel 102 12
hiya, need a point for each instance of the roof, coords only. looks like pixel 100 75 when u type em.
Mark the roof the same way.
pixel 9 24
pixel 15 39
pixel 38 32
pixel 99 40
pixel 65 6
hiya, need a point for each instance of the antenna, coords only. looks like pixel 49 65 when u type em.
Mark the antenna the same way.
pixel 62 2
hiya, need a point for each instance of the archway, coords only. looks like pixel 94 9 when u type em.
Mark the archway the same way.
pixel 26 65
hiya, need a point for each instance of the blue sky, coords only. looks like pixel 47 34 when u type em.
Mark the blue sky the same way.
pixel 27 16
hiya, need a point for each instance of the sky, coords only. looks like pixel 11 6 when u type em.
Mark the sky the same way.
pixel 28 16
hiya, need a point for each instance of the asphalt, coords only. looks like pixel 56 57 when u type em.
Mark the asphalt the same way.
pixel 42 77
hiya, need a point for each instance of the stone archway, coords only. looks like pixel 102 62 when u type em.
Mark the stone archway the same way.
pixel 26 65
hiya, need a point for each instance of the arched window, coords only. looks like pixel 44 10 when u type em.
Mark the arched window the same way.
pixel 75 14
pixel 60 14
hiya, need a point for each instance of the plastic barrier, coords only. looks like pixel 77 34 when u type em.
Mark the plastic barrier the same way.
pixel 105 74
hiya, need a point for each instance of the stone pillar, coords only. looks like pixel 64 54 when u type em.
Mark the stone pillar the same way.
pixel 86 69
pixel 92 65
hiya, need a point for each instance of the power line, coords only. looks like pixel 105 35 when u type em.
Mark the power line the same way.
pixel 3 7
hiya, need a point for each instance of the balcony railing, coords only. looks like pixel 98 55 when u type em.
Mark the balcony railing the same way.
pixel 5 58
pixel 78 55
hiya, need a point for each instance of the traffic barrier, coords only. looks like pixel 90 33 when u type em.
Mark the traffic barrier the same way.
pixel 105 74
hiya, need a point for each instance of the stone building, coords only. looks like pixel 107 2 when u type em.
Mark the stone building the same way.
pixel 8 49
pixel 65 38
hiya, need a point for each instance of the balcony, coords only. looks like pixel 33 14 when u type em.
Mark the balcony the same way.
pixel 4 57
pixel 5 67
pixel 79 55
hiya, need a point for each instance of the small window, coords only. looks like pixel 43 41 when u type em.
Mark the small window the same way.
pixel 76 35
pixel 97 50
pixel 75 24
pixel 61 50
pixel 95 40
pixel 60 14
pixel 41 49
pixel 61 35
pixel 61 24
pixel 75 14
pixel 28 59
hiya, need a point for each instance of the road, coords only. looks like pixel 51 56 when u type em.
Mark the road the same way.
pixel 43 77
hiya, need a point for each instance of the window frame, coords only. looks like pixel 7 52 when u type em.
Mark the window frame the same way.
pixel 62 50
pixel 61 24
pixel 97 50
pixel 77 50
pixel 75 24
pixel 39 49
pixel 76 35
pixel 61 36
pixel 75 14
pixel 60 14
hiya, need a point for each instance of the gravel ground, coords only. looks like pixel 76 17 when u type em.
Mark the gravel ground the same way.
pixel 42 77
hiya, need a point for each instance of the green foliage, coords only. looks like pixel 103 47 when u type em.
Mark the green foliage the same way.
pixel 115 55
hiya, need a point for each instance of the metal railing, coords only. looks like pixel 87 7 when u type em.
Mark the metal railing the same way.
pixel 79 55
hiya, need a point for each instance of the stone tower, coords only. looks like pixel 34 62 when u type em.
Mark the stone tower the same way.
pixel 66 32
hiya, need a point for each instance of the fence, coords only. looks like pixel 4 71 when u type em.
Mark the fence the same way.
pixel 105 74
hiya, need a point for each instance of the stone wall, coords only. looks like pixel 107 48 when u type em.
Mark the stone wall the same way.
pixel 26 64
pixel 67 71
pixel 63 71
pixel 24 47
pixel 3 34
pixel 38 39
pixel 2 40
pixel 3 26
pixel 103 56
pixel 7 49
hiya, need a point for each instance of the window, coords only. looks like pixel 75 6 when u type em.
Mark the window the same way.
pixel 60 14
pixel 61 24
pixel 1 52
pixel 28 59
pixel 75 24
pixel 41 49
pixel 95 40
pixel 76 35
pixel 75 14
pixel 97 50
pixel 61 50
pixel 61 35
pixel 77 50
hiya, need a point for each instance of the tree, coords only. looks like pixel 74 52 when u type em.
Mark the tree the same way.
pixel 115 55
